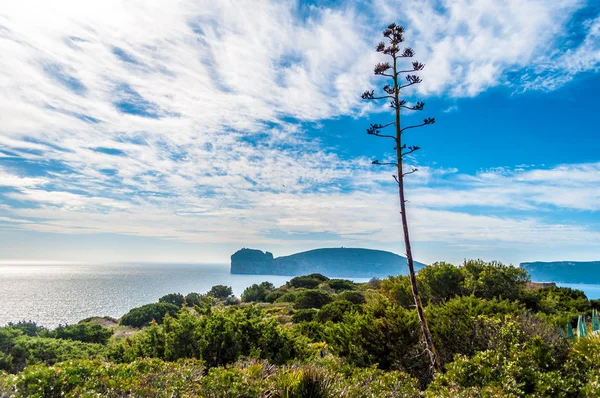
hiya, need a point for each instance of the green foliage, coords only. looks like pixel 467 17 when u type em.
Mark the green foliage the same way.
pixel 219 338
pixel 460 326
pixel 440 282
pixel 335 311
pixel 274 295
pixel 304 315
pixel 305 282
pixel 341 284
pixel 493 279
pixel 519 365
pixel 173 298
pixel 82 332
pixel 397 289
pixel 18 350
pixel 188 378
pixel 142 316
pixel 28 328
pixel 312 299
pixel 319 277
pixel 352 296
pixel 192 299
pixel 257 292
pixel 288 297
pixel 220 292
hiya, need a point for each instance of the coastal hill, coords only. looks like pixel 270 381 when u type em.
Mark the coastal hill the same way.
pixel 564 271
pixel 334 262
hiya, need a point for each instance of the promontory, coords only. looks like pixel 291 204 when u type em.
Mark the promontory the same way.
pixel 333 262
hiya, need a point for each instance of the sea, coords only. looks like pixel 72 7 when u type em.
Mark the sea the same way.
pixel 54 294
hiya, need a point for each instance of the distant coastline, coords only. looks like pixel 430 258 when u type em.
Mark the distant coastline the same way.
pixel 584 272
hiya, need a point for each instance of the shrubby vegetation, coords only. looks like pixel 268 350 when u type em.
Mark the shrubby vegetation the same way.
pixel 496 335
pixel 142 316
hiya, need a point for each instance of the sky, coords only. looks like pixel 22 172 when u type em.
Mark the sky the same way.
pixel 184 130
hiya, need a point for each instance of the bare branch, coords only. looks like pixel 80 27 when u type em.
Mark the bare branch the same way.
pixel 378 163
pixel 417 107
pixel 410 172
pixel 370 95
pixel 417 66
pixel 375 129
pixel 427 121
pixel 411 149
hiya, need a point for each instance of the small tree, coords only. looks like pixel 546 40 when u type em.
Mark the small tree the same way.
pixel 220 292
pixel 394 36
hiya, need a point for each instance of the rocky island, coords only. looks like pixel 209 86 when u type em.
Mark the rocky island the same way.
pixel 333 262
pixel 564 271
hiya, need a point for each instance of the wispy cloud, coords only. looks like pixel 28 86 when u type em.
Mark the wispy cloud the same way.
pixel 182 119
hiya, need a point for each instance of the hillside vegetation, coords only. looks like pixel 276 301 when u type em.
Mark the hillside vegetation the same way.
pixel 320 337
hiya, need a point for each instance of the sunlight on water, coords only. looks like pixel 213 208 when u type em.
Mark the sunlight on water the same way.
pixel 58 294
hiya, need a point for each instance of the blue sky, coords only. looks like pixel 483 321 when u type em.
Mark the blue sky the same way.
pixel 184 130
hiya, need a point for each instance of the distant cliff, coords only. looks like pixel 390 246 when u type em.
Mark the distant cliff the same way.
pixel 336 262
pixel 564 271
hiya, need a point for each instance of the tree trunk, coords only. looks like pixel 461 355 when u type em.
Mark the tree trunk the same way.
pixel 435 363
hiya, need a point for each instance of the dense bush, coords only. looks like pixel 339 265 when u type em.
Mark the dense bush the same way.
pixel 341 284
pixel 257 292
pixel 176 299
pixel 336 310
pixel 352 296
pixel 274 295
pixel 305 282
pixel 192 299
pixel 312 299
pixel 220 292
pixel 304 315
pixel 82 332
pixel 142 316
pixel 218 338
pixel 18 350
pixel 188 378
pixel 287 297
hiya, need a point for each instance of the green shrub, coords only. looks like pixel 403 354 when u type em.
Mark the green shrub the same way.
pixel 304 315
pixel 220 292
pixel 440 282
pixel 317 276
pixel 341 284
pixel 288 297
pixel 176 299
pixel 28 327
pixel 142 316
pixel 82 332
pixel 192 299
pixel 26 350
pixel 312 299
pixel 352 296
pixel 257 292
pixel 336 310
pixel 274 295
pixel 305 282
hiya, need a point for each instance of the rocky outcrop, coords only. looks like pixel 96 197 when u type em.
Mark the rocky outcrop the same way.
pixel 334 262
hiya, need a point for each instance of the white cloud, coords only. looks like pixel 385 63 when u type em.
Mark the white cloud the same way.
pixel 470 45
pixel 212 155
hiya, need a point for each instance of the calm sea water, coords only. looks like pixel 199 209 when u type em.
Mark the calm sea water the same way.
pixel 59 294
